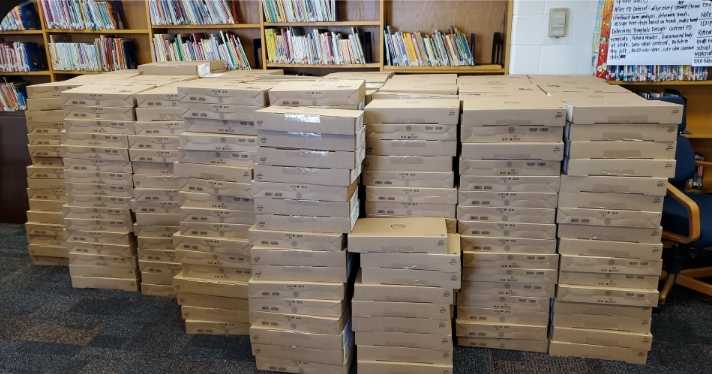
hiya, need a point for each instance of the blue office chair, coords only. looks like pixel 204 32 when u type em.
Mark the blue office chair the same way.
pixel 687 222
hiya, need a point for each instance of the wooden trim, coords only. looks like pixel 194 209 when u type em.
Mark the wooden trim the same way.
pixel 693 211
pixel 508 37
pixel 694 284
pixel 703 163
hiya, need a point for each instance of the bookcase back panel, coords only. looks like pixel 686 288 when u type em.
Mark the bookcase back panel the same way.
pixel 135 14
pixel 248 11
pixel 480 17
pixel 359 10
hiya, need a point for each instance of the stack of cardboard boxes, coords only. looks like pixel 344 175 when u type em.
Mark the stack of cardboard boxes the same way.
pixel 311 146
pixel 153 149
pixel 45 177
pixel 403 298
pixel 620 150
pixel 374 79
pixel 217 150
pixel 411 144
pixel 509 179
pixel 99 184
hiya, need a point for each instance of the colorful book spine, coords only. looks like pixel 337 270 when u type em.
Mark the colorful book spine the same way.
pixel 222 46
pixel 293 46
pixel 418 49
pixel 190 12
pixel 299 10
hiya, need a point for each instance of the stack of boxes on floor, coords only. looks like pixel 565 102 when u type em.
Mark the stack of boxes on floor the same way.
pixel 153 149
pixel 216 160
pixel 374 79
pixel 311 146
pixel 620 151
pixel 403 298
pixel 510 164
pixel 99 184
pixel 45 177
pixel 411 143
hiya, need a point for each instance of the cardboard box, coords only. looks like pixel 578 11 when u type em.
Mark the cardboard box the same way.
pixel 217 142
pixel 514 111
pixel 208 301
pixel 215 187
pixel 37 151
pixel 318 208
pixel 311 140
pixel 210 314
pixel 601 248
pixel 158 128
pixel 510 275
pixel 408 179
pixel 604 217
pixel 404 354
pixel 243 159
pixel 238 258
pixel 124 284
pixel 409 163
pixel 265 335
pixel 564 349
pixel 508 199
pixel 102 201
pixel 214 215
pixel 298 322
pixel 620 167
pixel 400 309
pixel 413 110
pixel 307 223
pixel 99 112
pixel 413 277
pixel 409 147
pixel 221 112
pixel 612 184
pixel 46 250
pixel 507 316
pixel 157 181
pixel 297 257
pixel 400 324
pixel 638 132
pixel 505 214
pixel 44 139
pixel 215 328
pixel 328 355
pixel 46 205
pixel 610 233
pixel 247 125
pixel 540 346
pixel 309 273
pixel 602 317
pixel 400 339
pixel 218 172
pixel 500 330
pixel 95 153
pixel 306 175
pixel 520 304
pixel 224 92
pixel 92 177
pixel 508 229
pixel 45 172
pixel 385 367
pixel 264 190
pixel 98 126
pixel 515 134
pixel 50 90
pixel 510 260
pixel 296 240
pixel 198 68
pixel 615 280
pixel 174 113
pixel 168 142
pixel 412 194
pixel 300 367
pixel 222 202
pixel 591 264
pixel 155 168
pixel 310 158
pixel 104 166
pixel 402 293
pixel 394 131
pixel 588 108
pixel 46 193
pixel 496 289
pixel 310 120
pixel 403 209
pixel 510 183
pixel 209 244
pixel 410 235
pixel 619 149
pixel 215 230
pixel 494 244
pixel 102 95
pixel 348 94
pixel 85 212
pixel 324 308
pixel 214 272
pixel 45 116
pixel 553 151
pixel 607 295
pixel 113 272
pixel 296 290
pixel 440 262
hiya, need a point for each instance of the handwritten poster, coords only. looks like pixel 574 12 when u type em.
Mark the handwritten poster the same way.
pixel 656 32
pixel 703 36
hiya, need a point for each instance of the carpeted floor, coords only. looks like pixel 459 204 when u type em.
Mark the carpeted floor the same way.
pixel 48 327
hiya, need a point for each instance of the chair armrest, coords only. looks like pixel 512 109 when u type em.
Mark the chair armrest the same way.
pixel 693 212
pixel 703 163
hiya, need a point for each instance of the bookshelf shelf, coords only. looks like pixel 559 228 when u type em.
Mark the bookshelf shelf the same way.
pixel 99 32
pixel 208 27
pixel 477 69
pixel 664 83
pixel 37 73
pixel 372 65
pixel 22 32
pixel 324 24
pixel 77 72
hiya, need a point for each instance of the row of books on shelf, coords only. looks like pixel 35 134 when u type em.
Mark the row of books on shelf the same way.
pixel 83 14
pixel 191 12
pixel 223 46
pixel 299 10
pixel 437 49
pixel 21 57
pixel 104 54
pixel 657 73
pixel 21 17
pixel 294 46
pixel 12 96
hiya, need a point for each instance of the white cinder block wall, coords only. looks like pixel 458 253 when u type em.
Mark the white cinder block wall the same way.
pixel 534 52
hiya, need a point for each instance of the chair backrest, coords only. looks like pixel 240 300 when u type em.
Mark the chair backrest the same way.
pixel 684 162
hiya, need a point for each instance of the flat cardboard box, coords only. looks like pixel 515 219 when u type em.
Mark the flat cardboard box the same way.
pixel 46 194
pixel 102 201
pixel 638 132
pixel 409 163
pixel 615 280
pixel 620 149
pixel 501 315
pixel 104 95
pixel 45 116
pixel 306 175
pixel 121 272
pixel 208 301
pixel 323 308
pixel 51 128
pixel 215 328
pixel 613 265
pixel 411 131
pixel 168 142
pixel 334 225
pixel 312 140
pixel 423 235
pixel 46 250
pixel 510 183
pixel 402 293
pixel 46 205
pixel 298 322
pixel 440 262
pixel 399 354
pixel 505 214
pixel 43 183
pixel 602 317
pixel 610 233
pixel 222 202
pixel 565 349
pixel 238 258
pixel 413 110
pixel 211 287
pixel 158 128
pixel 85 212
pixel 156 231
pixel 413 277
pixel 120 250
pixel 494 244
pixel 269 205
pixel 103 237
pixel 96 224
pixel 209 244
pixel 310 120
pixel 402 324
pixel 155 168
pixel 97 189
pixel 198 68
pixel 327 355
pixel 95 153
pixel 514 111
pixel 408 179
pixel 500 330
pixel 223 92
pixel 98 126
pixel 601 248
pixel 296 290
pixel 266 335
pixel 159 114
pixel 620 167
pixel 92 177
pixel 193 141
pixel 403 209
pixel 309 273
pixel 108 166
pixel 274 190
pixel 510 260
pixel 553 151
pixel 473 298
pixel 310 158
pixel 604 217
pixel 243 159
pixel 607 295
pixel 508 199
pixel 211 314
pixel 215 230
pixel 508 229
pixel 400 309
pixel 297 257
pixel 514 134
pixel 226 173
pixel 400 339
pixel 296 240
pixel 247 125
pixel 510 275
pixel 408 147
pixel 124 284
pixel 215 187
pixel 588 108
pixel 37 151
pixel 412 194
pixel 45 172
pixel 100 112
pixel 613 184
pixel 148 195
pixel 300 367
pixel 387 367
pixel 159 290
pixel 49 90
pixel 327 93
pixel 157 181
pixel 44 139
pixel 540 346
pixel 496 289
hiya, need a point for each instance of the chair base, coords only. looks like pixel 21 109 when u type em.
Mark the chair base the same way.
pixel 690 278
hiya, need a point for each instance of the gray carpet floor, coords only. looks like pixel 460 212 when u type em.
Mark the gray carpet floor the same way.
pixel 48 327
